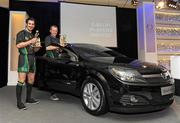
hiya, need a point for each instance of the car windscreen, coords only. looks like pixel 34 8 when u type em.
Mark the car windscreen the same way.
pixel 96 51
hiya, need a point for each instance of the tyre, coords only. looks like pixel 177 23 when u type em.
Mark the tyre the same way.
pixel 93 97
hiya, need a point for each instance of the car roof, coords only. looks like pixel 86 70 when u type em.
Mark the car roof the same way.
pixel 88 45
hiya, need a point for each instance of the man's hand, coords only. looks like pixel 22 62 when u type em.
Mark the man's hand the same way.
pixel 52 47
pixel 33 41
pixel 24 44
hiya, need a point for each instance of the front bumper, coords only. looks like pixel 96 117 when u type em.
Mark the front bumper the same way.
pixel 138 99
pixel 140 109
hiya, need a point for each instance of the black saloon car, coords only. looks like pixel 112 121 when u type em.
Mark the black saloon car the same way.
pixel 106 80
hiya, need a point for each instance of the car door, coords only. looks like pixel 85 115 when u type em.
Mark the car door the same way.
pixel 62 73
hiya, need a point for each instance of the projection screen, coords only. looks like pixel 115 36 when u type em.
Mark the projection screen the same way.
pixel 88 24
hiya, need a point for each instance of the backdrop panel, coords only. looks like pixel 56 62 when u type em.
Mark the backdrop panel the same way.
pixel 89 24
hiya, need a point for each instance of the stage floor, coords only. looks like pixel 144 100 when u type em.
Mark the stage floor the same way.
pixel 70 110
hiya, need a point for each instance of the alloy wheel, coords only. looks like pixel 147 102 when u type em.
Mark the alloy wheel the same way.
pixel 91 96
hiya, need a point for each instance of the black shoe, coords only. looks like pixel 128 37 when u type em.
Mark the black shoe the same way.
pixel 32 101
pixel 54 97
pixel 29 99
pixel 21 106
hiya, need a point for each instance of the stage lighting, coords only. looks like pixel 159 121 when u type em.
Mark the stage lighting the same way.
pixel 134 2
pixel 160 4
pixel 172 4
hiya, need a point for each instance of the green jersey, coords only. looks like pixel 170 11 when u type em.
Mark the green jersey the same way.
pixel 48 41
pixel 24 36
pixel 26 59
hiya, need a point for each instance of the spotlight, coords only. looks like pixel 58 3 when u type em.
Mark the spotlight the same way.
pixel 134 2
pixel 172 4
pixel 160 4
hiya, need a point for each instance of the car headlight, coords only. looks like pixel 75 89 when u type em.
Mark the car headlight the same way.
pixel 124 74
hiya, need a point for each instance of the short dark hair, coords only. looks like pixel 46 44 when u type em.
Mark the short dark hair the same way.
pixel 30 18
pixel 53 26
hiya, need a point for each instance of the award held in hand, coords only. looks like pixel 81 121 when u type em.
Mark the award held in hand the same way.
pixel 38 42
pixel 63 42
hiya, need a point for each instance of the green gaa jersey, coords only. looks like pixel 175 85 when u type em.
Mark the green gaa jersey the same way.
pixel 24 36
pixel 26 60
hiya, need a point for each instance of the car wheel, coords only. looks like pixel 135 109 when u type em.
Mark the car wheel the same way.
pixel 93 97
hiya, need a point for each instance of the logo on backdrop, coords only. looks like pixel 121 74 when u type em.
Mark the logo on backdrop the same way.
pixel 98 29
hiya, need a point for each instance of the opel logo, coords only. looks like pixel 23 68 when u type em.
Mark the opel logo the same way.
pixel 163 75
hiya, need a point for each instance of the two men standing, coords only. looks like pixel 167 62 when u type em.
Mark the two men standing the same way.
pixel 26 61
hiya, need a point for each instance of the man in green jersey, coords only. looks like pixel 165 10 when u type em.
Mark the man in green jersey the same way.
pixel 26 62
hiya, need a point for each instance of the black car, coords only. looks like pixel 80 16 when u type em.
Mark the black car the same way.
pixel 106 80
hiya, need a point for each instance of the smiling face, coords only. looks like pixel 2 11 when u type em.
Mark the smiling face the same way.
pixel 54 31
pixel 30 25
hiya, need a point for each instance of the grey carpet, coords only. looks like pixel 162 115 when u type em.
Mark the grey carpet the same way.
pixel 70 110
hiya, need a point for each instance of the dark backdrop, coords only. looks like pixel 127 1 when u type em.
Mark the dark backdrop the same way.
pixel 127 32
pixel 4 27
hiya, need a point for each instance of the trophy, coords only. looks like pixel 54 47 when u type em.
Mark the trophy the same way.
pixel 63 42
pixel 38 42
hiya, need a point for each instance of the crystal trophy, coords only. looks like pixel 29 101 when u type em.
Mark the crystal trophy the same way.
pixel 63 42
pixel 38 41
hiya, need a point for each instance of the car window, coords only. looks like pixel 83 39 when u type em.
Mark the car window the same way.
pixel 95 52
pixel 67 54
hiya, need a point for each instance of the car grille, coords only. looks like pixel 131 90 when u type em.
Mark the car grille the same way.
pixel 155 98
pixel 154 78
